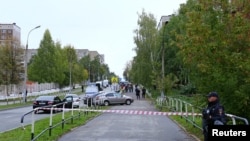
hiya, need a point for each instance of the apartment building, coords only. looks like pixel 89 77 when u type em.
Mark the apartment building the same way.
pixel 79 52
pixel 10 33
pixel 163 21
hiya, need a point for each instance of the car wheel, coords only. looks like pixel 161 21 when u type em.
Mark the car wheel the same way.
pixel 128 102
pixel 35 112
pixel 106 103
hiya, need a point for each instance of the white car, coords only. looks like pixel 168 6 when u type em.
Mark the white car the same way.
pixel 76 100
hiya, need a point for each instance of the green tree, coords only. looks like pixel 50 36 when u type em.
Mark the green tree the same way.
pixel 48 64
pixel 71 63
pixel 11 67
pixel 145 39
pixel 85 63
pixel 214 48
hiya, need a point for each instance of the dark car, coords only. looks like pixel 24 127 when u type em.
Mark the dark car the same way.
pixel 47 102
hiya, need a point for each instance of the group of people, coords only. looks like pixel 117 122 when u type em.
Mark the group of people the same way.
pixel 139 92
pixel 126 87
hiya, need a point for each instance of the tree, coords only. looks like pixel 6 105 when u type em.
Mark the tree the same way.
pixel 48 64
pixel 85 63
pixel 145 39
pixel 11 67
pixel 74 72
pixel 214 48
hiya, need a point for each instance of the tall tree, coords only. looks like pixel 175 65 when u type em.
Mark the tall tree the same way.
pixel 73 70
pixel 46 64
pixel 11 67
pixel 85 63
pixel 215 49
pixel 145 39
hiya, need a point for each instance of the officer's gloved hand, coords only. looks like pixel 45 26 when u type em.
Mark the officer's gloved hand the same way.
pixel 204 113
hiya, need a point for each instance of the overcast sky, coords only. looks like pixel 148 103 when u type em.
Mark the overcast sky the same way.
pixel 105 26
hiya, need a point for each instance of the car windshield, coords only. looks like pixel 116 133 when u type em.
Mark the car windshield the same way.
pixel 90 90
pixel 73 95
pixel 45 98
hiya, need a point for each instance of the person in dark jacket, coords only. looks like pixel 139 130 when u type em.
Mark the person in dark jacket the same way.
pixel 137 92
pixel 143 92
pixel 213 114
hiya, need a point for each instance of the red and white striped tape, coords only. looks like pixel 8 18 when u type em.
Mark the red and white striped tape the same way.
pixel 136 112
pixel 131 112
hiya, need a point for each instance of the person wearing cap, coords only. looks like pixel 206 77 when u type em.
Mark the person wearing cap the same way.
pixel 213 114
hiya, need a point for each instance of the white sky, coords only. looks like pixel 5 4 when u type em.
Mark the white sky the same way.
pixel 105 26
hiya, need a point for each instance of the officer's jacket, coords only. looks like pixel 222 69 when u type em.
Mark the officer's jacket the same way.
pixel 215 111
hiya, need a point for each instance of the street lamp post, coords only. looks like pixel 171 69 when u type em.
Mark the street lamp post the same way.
pixel 70 72
pixel 25 65
pixel 162 61
pixel 89 72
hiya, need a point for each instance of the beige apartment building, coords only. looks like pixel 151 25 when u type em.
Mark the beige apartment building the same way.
pixel 10 33
pixel 79 52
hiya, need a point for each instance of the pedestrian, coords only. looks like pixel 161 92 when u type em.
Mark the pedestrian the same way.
pixel 137 92
pixel 25 96
pixel 213 114
pixel 82 88
pixel 143 92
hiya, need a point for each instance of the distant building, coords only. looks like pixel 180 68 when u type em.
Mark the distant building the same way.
pixel 79 52
pixel 163 21
pixel 94 54
pixel 10 33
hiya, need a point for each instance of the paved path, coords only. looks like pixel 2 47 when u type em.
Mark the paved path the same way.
pixel 125 127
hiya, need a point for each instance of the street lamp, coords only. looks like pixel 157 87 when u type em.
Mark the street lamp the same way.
pixel 162 60
pixel 25 65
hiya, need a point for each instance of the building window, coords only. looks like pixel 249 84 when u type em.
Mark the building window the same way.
pixel 3 37
pixel 3 30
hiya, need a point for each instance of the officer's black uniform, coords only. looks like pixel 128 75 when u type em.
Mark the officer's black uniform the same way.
pixel 214 114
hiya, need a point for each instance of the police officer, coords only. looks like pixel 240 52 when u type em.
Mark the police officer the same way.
pixel 214 114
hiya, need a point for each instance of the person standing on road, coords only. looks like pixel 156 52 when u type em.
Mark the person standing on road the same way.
pixel 214 114
pixel 143 92
pixel 82 88
pixel 137 92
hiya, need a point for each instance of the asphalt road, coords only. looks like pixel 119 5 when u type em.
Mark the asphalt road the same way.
pixel 11 119
pixel 127 127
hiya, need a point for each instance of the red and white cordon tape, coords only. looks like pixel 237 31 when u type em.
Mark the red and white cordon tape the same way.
pixel 132 112
pixel 136 112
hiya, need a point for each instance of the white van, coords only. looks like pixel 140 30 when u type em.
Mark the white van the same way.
pixel 105 83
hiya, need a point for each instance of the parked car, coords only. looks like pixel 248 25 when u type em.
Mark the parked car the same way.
pixel 76 100
pixel 97 99
pixel 47 102
pixel 90 92
pixel 110 98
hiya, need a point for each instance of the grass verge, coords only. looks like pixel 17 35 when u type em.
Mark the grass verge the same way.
pixel 24 134
pixel 185 124
pixel 188 127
